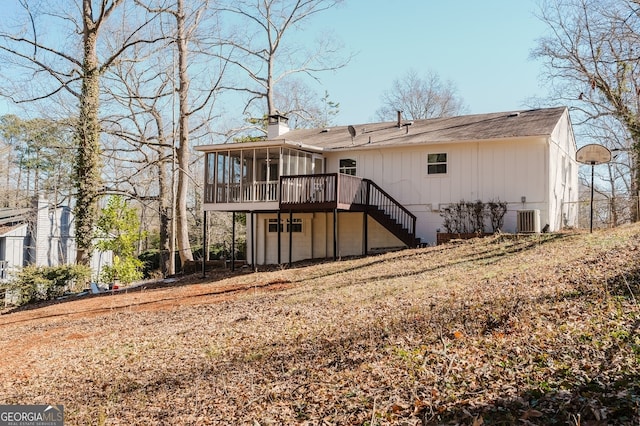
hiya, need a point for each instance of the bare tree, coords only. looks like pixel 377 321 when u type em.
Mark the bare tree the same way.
pixel 420 97
pixel 591 57
pixel 185 24
pixel 140 130
pixel 303 107
pixel 54 69
pixel 613 179
pixel 263 53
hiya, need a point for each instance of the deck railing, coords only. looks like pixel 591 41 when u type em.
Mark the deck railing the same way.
pixel 337 190
pixel 308 189
pixel 376 197
pixel 322 191
pixel 251 192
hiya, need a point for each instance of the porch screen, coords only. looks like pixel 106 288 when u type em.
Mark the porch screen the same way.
pixel 296 162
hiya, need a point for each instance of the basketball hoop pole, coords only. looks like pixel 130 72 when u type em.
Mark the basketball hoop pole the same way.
pixel 593 154
pixel 591 222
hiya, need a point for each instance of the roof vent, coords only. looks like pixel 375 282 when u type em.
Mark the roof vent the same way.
pixel 514 114
pixel 325 131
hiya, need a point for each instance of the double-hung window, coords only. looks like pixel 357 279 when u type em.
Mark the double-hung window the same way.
pixel 348 166
pixel 437 164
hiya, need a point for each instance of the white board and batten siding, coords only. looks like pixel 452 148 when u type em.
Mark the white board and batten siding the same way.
pixel 505 170
pixel 14 247
pixel 563 176
pixel 316 238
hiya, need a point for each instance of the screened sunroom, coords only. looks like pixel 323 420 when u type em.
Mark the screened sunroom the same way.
pixel 250 173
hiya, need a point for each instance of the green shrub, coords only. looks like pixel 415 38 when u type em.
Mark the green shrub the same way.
pixel 124 269
pixel 36 283
pixel 118 229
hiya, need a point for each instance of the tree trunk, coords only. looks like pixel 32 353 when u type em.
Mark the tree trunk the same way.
pixel 635 183
pixel 167 267
pixel 184 247
pixel 271 106
pixel 87 142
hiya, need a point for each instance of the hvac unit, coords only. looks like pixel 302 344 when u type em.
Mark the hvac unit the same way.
pixel 528 221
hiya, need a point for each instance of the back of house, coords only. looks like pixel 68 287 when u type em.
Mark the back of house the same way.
pixel 352 190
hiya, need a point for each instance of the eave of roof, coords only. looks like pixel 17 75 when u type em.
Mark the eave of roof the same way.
pixel 269 143
pixel 12 216
pixel 5 229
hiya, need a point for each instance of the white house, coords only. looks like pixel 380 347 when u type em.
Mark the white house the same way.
pixel 41 235
pixel 349 190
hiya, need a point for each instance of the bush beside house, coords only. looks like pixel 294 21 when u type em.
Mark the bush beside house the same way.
pixel 467 219
pixel 38 283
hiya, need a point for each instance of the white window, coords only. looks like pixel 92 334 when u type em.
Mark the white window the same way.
pixel 437 164
pixel 348 166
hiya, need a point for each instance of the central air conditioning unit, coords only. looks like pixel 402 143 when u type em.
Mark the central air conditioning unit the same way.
pixel 528 221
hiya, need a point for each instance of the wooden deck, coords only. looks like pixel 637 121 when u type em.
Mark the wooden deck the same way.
pixel 337 191
pixel 315 193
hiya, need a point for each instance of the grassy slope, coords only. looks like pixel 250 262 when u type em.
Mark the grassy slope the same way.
pixel 536 330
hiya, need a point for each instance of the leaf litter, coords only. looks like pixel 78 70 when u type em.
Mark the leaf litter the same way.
pixel 539 329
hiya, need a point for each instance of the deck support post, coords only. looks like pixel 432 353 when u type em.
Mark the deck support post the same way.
pixel 365 232
pixel 335 234
pixel 290 226
pixel 278 227
pixel 205 249
pixel 367 202
pixel 233 241
pixel 253 239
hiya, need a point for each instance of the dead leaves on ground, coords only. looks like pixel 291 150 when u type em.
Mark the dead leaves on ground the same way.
pixel 536 330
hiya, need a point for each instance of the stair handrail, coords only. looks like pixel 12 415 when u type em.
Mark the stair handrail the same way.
pixel 399 213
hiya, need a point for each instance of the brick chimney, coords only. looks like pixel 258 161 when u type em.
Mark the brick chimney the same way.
pixel 277 125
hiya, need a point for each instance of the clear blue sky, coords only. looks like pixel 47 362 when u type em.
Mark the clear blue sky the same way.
pixel 483 47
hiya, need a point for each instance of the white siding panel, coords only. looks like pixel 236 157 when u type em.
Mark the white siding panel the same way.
pixel 380 238
pixel 15 251
pixel 508 174
pixel 268 241
pixel 350 227
pixel 320 243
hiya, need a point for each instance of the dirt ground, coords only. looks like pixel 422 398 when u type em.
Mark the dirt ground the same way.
pixel 49 320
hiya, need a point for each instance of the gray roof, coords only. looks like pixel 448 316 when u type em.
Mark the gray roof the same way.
pixel 14 216
pixel 499 125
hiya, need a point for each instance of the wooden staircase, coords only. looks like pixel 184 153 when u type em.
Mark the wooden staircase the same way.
pixel 344 192
pixel 389 213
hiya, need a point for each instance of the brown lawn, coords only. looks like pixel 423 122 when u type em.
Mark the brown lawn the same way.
pixel 504 330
